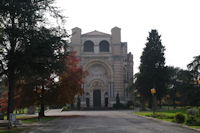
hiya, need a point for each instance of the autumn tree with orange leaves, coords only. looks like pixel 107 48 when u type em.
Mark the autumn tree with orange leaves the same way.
pixel 56 93
pixel 3 102
pixel 69 84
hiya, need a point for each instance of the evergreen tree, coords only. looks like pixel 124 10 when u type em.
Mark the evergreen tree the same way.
pixel 44 60
pixel 172 84
pixel 194 66
pixel 182 87
pixel 22 32
pixel 187 88
pixel 152 68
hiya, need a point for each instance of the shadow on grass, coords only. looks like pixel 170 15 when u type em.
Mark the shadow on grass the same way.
pixel 13 130
pixel 34 119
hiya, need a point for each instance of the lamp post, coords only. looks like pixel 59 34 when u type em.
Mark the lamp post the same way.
pixel 38 91
pixel 140 102
pixel 134 97
pixel 153 92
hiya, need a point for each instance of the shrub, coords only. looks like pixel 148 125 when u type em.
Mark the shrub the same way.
pixel 129 103
pixel 198 122
pixel 179 117
pixel 192 112
pixel 193 121
pixel 131 107
pixel 161 116
pixel 65 108
pixel 198 111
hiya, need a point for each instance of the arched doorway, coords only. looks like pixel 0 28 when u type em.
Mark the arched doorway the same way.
pixel 97 86
pixel 97 98
pixel 98 82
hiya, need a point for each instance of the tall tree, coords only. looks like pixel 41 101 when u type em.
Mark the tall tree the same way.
pixel 188 88
pixel 70 82
pixel 56 93
pixel 20 22
pixel 173 85
pixel 182 87
pixel 45 59
pixel 152 68
pixel 194 66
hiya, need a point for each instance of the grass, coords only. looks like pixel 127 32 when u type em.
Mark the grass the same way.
pixel 13 130
pixel 18 117
pixel 166 115
pixel 163 115
pixel 29 120
pixel 173 111
pixel 197 127
pixel 165 112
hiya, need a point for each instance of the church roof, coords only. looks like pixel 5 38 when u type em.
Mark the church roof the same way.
pixel 96 33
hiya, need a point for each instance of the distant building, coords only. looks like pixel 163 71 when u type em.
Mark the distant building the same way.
pixel 109 65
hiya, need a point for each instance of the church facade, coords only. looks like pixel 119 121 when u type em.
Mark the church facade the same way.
pixel 109 66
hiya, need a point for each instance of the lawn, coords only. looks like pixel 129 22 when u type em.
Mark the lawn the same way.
pixel 18 116
pixel 13 130
pixel 27 120
pixel 173 111
pixel 160 115
pixel 166 115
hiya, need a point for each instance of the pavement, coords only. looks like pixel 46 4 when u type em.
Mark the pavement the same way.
pixel 106 122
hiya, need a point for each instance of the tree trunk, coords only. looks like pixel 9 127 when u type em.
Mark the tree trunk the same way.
pixel 10 92
pixel 154 105
pixel 11 69
pixel 42 103
pixel 174 99
pixel 174 103
pixel 160 100
pixel 150 102
pixel 142 105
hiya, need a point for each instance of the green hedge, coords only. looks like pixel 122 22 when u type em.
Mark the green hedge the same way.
pixel 179 117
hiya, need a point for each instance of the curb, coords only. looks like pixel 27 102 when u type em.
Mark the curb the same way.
pixel 172 123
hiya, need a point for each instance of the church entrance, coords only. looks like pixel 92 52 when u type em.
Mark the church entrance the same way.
pixel 97 98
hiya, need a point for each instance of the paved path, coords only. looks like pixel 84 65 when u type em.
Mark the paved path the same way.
pixel 106 122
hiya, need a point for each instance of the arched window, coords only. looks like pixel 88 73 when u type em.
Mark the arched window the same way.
pixel 88 46
pixel 104 46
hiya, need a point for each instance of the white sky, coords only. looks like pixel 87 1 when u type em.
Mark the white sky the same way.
pixel 177 21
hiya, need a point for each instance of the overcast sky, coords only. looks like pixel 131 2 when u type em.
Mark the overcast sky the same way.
pixel 177 21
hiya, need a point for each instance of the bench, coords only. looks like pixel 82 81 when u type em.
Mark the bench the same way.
pixel 5 123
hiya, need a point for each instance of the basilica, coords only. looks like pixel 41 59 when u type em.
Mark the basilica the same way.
pixel 109 66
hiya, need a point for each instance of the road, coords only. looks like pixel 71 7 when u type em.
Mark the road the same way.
pixel 106 122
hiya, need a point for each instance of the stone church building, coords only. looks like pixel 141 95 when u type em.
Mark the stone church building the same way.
pixel 109 66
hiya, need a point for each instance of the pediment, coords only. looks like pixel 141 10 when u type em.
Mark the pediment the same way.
pixel 96 33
